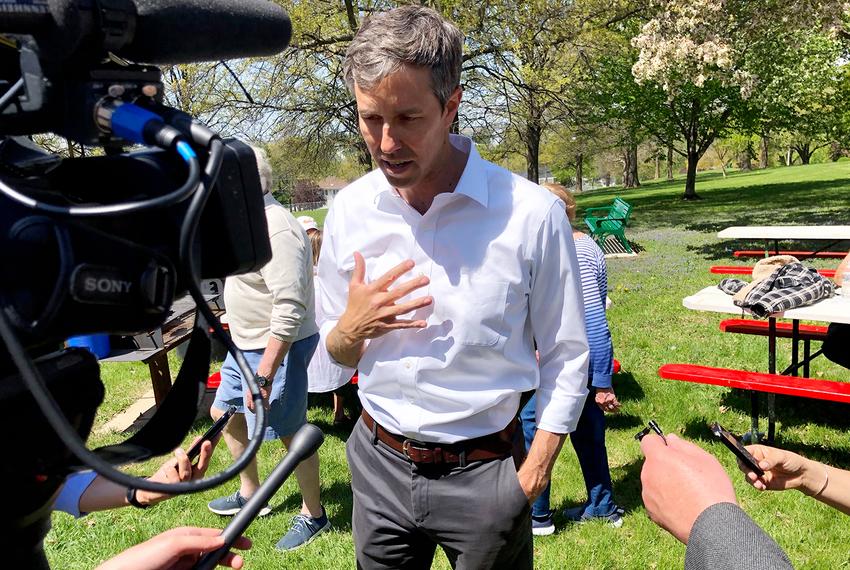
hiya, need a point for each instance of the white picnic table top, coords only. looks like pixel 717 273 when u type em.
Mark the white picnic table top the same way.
pixel 787 232
pixel 833 310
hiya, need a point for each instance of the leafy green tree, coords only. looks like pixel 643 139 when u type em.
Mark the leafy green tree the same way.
pixel 703 55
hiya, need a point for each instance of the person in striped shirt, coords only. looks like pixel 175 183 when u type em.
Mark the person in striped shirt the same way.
pixel 589 437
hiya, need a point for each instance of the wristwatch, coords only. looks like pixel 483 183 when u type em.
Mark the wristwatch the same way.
pixel 131 498
pixel 262 381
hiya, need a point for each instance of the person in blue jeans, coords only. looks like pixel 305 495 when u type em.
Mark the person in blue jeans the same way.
pixel 589 437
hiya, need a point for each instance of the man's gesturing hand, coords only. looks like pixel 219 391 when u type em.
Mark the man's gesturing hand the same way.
pixel 373 311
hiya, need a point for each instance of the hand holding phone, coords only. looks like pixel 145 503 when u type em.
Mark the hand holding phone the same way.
pixel 211 433
pixel 735 447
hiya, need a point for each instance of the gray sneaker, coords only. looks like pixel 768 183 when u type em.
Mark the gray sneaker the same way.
pixel 304 529
pixel 577 515
pixel 232 504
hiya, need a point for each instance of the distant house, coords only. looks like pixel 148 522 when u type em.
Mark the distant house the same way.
pixel 330 186
pixel 544 175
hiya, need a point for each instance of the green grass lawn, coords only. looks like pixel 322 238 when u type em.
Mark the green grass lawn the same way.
pixel 650 327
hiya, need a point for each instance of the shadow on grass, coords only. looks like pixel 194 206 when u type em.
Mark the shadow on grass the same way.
pixel 791 411
pixel 623 421
pixel 336 498
pixel 736 202
pixel 626 483
pixel 697 429
pixel 627 388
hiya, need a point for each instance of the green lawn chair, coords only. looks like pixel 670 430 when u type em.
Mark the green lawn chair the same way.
pixel 609 220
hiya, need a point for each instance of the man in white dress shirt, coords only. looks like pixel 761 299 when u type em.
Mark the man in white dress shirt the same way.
pixel 439 271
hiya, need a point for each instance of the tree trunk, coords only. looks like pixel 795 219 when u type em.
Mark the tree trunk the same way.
pixel 805 152
pixel 579 173
pixel 364 157
pixel 657 166
pixel 691 179
pixel 670 163
pixel 630 167
pixel 763 157
pixel 533 130
pixel 835 151
pixel 789 156
pixel 745 159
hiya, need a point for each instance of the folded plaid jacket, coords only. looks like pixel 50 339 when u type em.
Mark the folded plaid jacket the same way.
pixel 790 286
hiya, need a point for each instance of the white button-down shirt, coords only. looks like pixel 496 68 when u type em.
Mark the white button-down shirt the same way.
pixel 501 261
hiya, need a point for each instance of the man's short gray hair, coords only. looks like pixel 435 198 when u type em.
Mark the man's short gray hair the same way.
pixel 411 35
pixel 264 167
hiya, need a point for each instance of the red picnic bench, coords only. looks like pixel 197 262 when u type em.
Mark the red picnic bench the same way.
pixel 748 270
pixel 783 330
pixel 806 333
pixel 755 382
pixel 822 254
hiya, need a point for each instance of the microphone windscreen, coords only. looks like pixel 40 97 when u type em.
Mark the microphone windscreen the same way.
pixel 182 31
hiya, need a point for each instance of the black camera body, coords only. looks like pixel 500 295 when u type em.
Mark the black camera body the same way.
pixel 62 71
pixel 61 277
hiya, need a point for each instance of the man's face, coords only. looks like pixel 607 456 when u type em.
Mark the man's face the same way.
pixel 404 125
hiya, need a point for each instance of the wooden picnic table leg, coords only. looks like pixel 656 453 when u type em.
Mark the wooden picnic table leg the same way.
pixel 160 377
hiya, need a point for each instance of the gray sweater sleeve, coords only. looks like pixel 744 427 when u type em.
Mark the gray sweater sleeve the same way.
pixel 725 538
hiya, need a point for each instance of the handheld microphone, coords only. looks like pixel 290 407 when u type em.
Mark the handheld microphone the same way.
pixel 305 442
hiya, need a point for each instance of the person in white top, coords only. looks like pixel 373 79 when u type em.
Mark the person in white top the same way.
pixel 439 271
pixel 322 374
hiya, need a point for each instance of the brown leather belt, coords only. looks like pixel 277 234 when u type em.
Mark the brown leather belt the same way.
pixel 494 446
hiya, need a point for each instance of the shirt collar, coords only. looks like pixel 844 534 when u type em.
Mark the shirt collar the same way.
pixel 473 180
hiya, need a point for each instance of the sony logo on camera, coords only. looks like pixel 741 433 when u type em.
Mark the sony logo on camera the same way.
pixel 102 285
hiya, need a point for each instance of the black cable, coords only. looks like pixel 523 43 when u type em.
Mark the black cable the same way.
pixel 186 190
pixel 187 238
pixel 57 420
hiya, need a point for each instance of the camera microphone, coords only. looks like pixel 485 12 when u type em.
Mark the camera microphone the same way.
pixel 169 31
pixel 152 31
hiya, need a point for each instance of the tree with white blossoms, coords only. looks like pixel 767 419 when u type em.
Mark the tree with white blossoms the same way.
pixel 699 52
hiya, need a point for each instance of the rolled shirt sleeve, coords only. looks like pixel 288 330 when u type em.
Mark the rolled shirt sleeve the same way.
pixel 556 314
pixel 68 499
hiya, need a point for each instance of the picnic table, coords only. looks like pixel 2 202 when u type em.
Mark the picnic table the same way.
pixel 831 234
pixel 152 347
pixel 832 310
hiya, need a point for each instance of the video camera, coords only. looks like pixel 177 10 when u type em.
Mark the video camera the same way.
pixel 104 243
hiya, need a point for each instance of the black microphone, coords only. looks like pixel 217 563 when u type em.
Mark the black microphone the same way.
pixel 151 31
pixel 304 443
pixel 180 31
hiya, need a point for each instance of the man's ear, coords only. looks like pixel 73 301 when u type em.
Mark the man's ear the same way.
pixel 451 107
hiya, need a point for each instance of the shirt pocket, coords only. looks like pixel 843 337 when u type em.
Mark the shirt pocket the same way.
pixel 476 309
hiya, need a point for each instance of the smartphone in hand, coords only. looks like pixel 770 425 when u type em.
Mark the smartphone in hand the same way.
pixel 735 447
pixel 211 433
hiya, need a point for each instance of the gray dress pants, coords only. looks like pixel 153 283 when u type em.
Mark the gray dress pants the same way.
pixel 478 514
